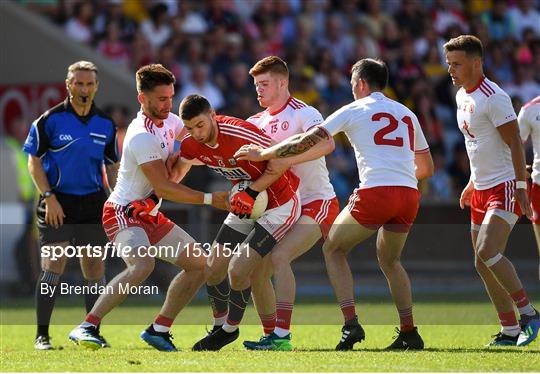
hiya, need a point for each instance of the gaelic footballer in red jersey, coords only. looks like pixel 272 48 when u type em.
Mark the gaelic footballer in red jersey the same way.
pixel 497 190
pixel 392 154
pixel 212 141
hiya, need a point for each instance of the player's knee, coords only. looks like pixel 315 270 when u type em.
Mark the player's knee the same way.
pixel 237 278
pixel 93 269
pixel 280 260
pixel 387 262
pixel 142 268
pixel 332 248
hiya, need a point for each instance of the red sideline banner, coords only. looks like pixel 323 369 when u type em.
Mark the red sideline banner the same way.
pixel 27 101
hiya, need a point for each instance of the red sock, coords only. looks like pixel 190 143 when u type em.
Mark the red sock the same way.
pixel 508 318
pixel 406 319
pixel 268 322
pixel 163 321
pixel 283 315
pixel 92 319
pixel 520 298
pixel 348 309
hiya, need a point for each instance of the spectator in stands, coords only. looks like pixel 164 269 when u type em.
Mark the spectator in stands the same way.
pixel 199 83
pixel 79 26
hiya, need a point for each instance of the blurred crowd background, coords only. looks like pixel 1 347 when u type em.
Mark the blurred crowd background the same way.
pixel 210 46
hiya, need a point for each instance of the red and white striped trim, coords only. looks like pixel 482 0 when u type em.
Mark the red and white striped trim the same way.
pixel 280 233
pixel 296 104
pixel 148 125
pixel 486 88
pixel 352 200
pixel 245 134
pixel 323 213
pixel 509 190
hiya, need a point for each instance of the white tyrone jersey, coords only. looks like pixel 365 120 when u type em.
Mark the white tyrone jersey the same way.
pixel 529 124
pixel 385 136
pixel 296 117
pixel 144 142
pixel 479 112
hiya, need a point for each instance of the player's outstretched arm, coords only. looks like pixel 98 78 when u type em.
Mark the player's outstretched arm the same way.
pixel 313 144
pixel 156 172
pixel 274 170
pixel 510 134
pixel 424 165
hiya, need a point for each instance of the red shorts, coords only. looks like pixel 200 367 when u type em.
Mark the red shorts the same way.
pixel 393 207
pixel 498 197
pixel 535 203
pixel 115 219
pixel 324 212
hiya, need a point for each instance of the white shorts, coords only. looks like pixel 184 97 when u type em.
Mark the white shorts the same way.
pixel 169 248
pixel 276 221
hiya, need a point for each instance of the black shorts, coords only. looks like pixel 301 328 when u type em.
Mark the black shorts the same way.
pixel 82 221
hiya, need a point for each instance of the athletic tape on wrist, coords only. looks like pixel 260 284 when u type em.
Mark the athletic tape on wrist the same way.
pixel 207 199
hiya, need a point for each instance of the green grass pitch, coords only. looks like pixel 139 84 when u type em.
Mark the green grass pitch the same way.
pixel 454 332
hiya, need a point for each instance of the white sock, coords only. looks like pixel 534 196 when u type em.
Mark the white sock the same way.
pixel 87 324
pixel 220 321
pixel 281 332
pixel 527 310
pixel 229 328
pixel 511 330
pixel 160 328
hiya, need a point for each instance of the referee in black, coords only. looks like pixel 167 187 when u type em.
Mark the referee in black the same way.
pixel 67 147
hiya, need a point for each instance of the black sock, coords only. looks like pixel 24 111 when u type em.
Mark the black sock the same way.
pixel 45 300
pixel 91 298
pixel 237 305
pixel 219 297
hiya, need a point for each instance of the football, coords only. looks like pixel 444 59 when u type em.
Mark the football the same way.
pixel 260 203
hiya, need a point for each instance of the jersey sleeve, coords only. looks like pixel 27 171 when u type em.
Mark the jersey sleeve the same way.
pixel 420 143
pixel 144 148
pixel 111 148
pixel 524 124
pixel 337 121
pixel 187 149
pixel 309 117
pixel 37 141
pixel 500 109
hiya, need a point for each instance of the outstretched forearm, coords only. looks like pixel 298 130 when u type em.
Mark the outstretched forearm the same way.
pixel 312 145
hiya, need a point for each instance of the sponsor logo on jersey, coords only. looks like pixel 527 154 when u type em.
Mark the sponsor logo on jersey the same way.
pixel 285 126
pixel 205 159
pixel 231 173
pixel 232 161
pixel 65 137
pixel 171 134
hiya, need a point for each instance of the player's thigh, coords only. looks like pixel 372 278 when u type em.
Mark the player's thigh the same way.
pixel 345 233
pixel 390 245
pixel 179 248
pixel 54 259
pixel 493 234
pixel 299 239
pixel 132 245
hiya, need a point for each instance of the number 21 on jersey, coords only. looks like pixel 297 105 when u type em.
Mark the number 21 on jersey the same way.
pixel 384 135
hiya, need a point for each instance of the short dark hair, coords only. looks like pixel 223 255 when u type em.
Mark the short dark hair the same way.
pixel 192 106
pixel 270 64
pixel 470 44
pixel 374 72
pixel 150 76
